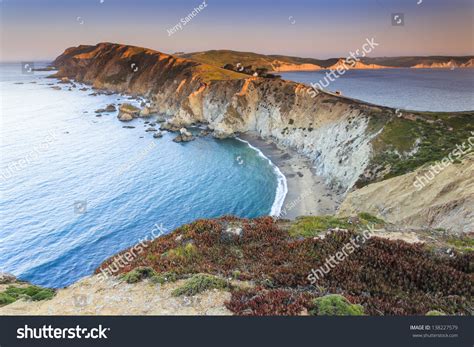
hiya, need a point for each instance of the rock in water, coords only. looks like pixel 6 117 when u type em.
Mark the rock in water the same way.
pixel 169 127
pixel 146 112
pixel 184 136
pixel 185 132
pixel 110 108
pixel 127 112
pixel 65 80
pixel 157 135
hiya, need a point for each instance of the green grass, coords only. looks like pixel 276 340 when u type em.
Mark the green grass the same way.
pixel 210 73
pixel 436 136
pixel 335 305
pixel 129 108
pixel 367 218
pixel 140 273
pixel 221 57
pixel 310 226
pixel 187 252
pixel 6 299
pixel 35 293
pixel 200 283
pixel 461 243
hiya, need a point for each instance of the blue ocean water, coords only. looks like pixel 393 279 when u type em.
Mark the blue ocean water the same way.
pixel 412 89
pixel 76 188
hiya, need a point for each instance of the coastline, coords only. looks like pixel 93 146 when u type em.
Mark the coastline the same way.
pixel 282 187
pixel 307 193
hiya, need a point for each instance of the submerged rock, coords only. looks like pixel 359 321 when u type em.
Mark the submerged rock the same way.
pixel 158 135
pixel 110 108
pixel 151 129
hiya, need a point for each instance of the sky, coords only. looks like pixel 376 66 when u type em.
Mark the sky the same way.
pixel 43 29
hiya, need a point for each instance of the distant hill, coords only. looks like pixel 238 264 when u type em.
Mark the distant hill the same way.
pixel 282 63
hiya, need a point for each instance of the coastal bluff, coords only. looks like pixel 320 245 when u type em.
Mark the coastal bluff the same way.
pixel 351 143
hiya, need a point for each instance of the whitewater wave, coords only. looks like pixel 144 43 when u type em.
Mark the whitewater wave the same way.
pixel 282 186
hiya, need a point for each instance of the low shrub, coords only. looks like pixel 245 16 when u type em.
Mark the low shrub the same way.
pixel 138 274
pixel 6 299
pixel 200 283
pixel 164 277
pixel 34 293
pixel 370 219
pixel 335 305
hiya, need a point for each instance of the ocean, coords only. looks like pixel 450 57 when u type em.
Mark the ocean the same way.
pixel 412 89
pixel 76 189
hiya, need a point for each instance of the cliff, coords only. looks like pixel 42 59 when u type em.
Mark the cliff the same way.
pixel 355 65
pixel 445 202
pixel 352 143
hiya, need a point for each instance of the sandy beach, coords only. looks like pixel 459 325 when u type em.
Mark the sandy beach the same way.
pixel 308 195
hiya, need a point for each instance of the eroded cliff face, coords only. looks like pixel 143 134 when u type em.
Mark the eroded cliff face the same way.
pixel 330 130
pixel 445 65
pixel 337 133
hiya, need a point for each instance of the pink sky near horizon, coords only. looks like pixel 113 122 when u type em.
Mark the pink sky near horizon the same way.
pixel 33 32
